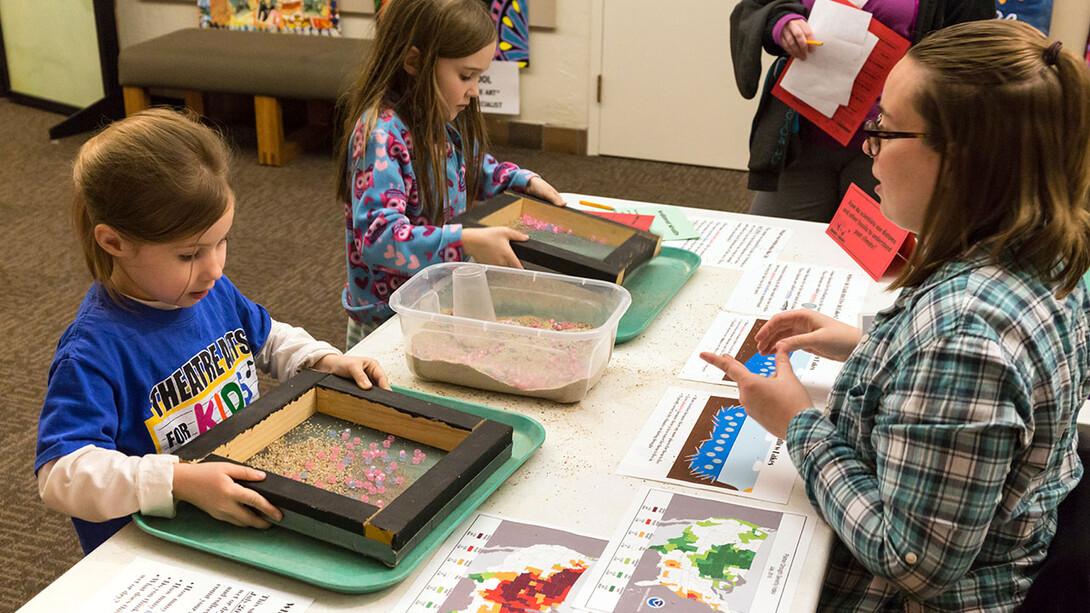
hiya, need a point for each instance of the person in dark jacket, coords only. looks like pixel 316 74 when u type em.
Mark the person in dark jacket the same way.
pixel 797 170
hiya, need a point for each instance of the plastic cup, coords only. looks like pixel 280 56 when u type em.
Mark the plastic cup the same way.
pixel 472 298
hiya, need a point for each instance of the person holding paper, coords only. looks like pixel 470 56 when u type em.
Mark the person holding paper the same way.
pixel 950 441
pixel 797 170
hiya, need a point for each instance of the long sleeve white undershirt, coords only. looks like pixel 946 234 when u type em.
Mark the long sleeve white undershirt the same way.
pixel 98 484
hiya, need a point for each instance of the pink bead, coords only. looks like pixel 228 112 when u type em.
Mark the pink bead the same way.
pixel 321 455
pixel 380 504
pixel 356 440
pixel 309 466
pixel 363 498
pixel 318 484
pixel 399 480
pixel 344 436
pixel 331 479
pixel 381 489
pixel 349 445
pixel 393 465
pixel 386 443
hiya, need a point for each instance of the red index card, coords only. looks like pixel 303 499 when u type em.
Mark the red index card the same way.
pixel 640 222
pixel 865 234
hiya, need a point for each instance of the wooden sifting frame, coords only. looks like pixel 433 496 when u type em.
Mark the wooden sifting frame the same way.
pixel 631 246
pixel 475 448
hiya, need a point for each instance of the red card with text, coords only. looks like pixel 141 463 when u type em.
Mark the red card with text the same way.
pixel 861 230
pixel 640 222
pixel 868 85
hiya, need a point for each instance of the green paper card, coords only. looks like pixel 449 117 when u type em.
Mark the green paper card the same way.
pixel 670 223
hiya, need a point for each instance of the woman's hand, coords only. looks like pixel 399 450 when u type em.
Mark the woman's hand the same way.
pixel 793 38
pixel 772 401
pixel 810 331
pixel 492 245
pixel 539 188
pixel 364 371
pixel 211 487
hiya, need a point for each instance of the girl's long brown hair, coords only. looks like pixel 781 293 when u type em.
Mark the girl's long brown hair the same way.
pixel 436 29
pixel 154 177
pixel 1013 131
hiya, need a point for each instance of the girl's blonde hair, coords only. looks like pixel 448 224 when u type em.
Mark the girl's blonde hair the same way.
pixel 1011 117
pixel 154 177
pixel 436 29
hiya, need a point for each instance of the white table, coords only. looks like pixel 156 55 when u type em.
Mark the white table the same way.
pixel 571 481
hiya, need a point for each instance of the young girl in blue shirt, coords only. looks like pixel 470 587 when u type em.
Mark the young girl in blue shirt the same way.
pixel 163 346
pixel 414 155
pixel 950 439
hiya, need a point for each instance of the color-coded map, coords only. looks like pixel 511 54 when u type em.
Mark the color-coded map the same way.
pixel 503 566
pixel 708 560
pixel 686 554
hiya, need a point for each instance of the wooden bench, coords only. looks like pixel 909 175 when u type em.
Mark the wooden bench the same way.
pixel 266 65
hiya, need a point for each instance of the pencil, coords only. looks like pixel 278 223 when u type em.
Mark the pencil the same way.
pixel 596 205
pixel 815 43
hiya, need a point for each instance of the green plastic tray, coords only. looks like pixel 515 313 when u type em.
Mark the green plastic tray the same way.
pixel 298 556
pixel 652 286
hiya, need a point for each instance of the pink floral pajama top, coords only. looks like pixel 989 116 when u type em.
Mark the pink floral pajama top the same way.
pixel 388 236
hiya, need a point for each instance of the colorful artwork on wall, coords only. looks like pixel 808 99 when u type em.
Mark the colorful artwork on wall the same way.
pixel 317 17
pixel 512 29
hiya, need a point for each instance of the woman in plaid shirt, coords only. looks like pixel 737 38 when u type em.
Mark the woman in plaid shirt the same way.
pixel 950 435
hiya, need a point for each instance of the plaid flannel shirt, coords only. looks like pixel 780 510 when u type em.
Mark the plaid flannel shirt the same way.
pixel 949 442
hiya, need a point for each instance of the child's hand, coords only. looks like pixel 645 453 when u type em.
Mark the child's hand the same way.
pixel 772 401
pixel 492 245
pixel 539 188
pixel 364 371
pixel 211 487
pixel 793 38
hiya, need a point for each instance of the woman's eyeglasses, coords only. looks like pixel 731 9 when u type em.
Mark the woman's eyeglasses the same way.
pixel 875 136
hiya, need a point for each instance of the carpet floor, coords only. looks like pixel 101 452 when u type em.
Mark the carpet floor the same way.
pixel 286 252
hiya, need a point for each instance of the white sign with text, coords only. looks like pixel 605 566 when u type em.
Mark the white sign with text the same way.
pixel 499 89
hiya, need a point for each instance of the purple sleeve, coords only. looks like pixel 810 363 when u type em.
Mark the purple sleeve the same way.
pixel 777 29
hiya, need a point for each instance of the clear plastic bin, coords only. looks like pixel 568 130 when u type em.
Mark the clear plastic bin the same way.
pixel 544 362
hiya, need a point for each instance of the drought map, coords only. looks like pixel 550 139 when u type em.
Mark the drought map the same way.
pixel 685 554
pixel 503 566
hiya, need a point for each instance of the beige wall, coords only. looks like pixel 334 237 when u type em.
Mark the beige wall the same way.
pixel 1071 24
pixel 554 88
pixel 52 50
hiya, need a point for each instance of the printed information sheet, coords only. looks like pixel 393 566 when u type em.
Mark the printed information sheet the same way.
pixel 501 565
pixel 151 587
pixel 773 287
pixel 735 335
pixel 699 439
pixel 685 554
pixel 735 244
